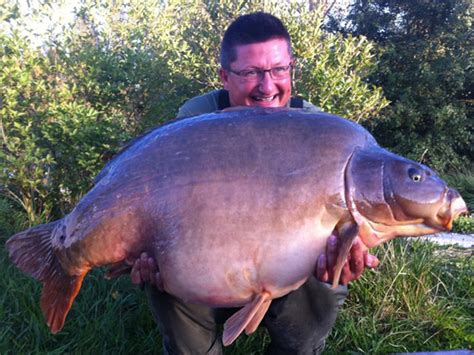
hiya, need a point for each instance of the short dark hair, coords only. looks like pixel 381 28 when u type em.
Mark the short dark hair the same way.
pixel 248 29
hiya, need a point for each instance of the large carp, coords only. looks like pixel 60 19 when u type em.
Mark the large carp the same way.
pixel 235 207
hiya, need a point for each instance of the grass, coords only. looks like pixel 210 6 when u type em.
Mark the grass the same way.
pixel 107 318
pixel 419 299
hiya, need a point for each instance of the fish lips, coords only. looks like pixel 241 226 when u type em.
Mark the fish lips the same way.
pixel 452 209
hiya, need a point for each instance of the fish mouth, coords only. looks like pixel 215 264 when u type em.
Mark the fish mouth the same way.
pixel 455 208
pixel 456 213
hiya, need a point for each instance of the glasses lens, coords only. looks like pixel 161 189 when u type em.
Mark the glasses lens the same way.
pixel 280 72
pixel 258 74
pixel 250 74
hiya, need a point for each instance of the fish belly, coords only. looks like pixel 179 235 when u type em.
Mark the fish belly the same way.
pixel 233 269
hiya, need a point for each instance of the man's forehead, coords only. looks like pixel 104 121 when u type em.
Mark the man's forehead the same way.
pixel 274 51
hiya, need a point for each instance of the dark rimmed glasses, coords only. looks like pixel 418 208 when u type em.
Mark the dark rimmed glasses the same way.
pixel 256 74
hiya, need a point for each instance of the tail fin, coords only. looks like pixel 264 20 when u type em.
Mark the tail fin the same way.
pixel 31 251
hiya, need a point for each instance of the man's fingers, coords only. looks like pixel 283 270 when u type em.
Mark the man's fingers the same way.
pixel 346 274
pixel 153 274
pixel 371 261
pixel 135 273
pixel 144 268
pixel 322 269
pixel 158 282
pixel 152 267
pixel 355 263
pixel 357 260
pixel 332 249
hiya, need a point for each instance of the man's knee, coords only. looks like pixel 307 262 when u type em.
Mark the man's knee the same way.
pixel 300 322
pixel 185 328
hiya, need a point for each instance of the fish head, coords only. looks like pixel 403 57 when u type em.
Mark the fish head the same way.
pixel 415 191
pixel 390 196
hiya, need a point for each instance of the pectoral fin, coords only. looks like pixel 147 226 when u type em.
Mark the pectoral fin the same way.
pixel 347 234
pixel 248 318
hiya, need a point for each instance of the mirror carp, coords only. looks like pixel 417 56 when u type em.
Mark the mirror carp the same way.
pixel 235 207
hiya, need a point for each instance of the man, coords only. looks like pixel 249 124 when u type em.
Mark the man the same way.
pixel 256 64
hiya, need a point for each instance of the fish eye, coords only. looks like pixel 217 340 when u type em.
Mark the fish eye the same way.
pixel 415 174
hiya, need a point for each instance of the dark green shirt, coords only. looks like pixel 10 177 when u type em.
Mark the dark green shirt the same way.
pixel 209 102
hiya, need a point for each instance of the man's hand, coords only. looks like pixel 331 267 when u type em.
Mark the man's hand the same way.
pixel 145 270
pixel 355 264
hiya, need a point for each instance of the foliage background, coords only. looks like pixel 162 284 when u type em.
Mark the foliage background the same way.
pixel 425 52
pixel 401 68
pixel 122 67
pixel 69 102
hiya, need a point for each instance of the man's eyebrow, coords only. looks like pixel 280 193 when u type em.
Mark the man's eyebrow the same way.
pixel 252 67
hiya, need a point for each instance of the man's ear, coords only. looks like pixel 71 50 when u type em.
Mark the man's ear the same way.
pixel 224 77
pixel 293 70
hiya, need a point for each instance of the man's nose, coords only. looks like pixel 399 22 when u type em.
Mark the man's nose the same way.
pixel 266 84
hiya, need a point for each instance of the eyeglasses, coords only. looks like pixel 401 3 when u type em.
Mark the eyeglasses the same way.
pixel 276 73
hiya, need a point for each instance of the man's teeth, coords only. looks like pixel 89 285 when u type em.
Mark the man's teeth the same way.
pixel 266 98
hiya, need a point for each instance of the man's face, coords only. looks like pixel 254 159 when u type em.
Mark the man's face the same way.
pixel 266 92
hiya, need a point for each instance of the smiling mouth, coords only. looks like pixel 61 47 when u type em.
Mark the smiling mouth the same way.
pixel 264 98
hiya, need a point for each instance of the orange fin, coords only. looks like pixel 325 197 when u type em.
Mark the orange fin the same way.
pixel 57 297
pixel 347 236
pixel 32 252
pixel 257 318
pixel 241 319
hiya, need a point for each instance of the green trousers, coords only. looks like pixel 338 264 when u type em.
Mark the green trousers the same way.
pixel 298 323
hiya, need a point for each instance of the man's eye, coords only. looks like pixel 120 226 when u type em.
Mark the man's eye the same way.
pixel 249 73
pixel 279 70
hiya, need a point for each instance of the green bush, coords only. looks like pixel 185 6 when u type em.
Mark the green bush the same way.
pixel 53 139
pixel 425 51
pixel 123 66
